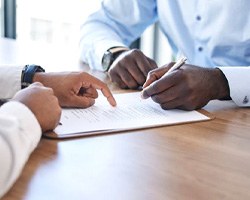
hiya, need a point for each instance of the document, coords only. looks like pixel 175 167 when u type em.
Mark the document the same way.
pixel 131 112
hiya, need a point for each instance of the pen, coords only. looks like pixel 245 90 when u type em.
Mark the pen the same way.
pixel 177 65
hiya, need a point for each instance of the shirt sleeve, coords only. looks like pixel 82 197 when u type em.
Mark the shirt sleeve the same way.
pixel 117 23
pixel 239 83
pixel 20 133
pixel 10 81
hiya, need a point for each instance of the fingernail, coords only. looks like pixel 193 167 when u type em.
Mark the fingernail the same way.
pixel 114 103
pixel 144 94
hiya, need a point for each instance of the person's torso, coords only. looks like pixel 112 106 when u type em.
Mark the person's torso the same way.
pixel 209 32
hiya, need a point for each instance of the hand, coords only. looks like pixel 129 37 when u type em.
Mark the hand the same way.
pixel 75 89
pixel 42 102
pixel 130 69
pixel 190 87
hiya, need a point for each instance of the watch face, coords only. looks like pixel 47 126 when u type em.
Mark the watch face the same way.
pixel 107 60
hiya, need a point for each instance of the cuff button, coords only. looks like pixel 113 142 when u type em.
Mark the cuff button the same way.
pixel 245 100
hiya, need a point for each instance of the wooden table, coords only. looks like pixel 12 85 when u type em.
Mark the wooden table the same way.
pixel 206 160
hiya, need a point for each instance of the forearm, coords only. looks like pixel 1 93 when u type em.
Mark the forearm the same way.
pixel 96 38
pixel 19 135
pixel 223 91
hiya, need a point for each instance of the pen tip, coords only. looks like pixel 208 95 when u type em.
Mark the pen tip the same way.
pixel 184 58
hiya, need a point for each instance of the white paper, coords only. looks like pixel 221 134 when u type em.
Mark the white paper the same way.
pixel 131 112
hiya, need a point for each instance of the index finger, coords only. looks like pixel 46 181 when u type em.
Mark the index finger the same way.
pixel 150 79
pixel 98 84
pixel 154 75
pixel 164 83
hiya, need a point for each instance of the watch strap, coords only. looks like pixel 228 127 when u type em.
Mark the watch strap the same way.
pixel 28 74
pixel 115 51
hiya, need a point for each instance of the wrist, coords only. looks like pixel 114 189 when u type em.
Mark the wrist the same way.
pixel 28 74
pixel 223 92
pixel 39 77
pixel 110 55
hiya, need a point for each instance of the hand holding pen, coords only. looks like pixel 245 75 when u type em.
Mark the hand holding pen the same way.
pixel 157 74
pixel 190 88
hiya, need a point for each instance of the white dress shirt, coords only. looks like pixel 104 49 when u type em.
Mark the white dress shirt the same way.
pixel 20 131
pixel 210 33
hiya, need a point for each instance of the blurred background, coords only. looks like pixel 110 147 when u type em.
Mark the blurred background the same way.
pixel 57 22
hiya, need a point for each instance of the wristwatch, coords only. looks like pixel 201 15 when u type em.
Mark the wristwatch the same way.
pixel 28 74
pixel 110 55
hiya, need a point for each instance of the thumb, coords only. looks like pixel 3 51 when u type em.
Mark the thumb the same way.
pixel 36 84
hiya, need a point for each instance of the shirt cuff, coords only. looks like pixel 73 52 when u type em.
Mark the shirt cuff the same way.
pixel 27 121
pixel 239 80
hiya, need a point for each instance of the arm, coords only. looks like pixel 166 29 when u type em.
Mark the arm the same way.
pixel 117 23
pixel 22 120
pixel 16 141
pixel 73 89
pixel 192 87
